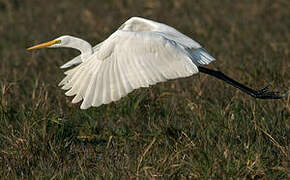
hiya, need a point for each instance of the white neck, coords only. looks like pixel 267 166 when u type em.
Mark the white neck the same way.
pixel 83 46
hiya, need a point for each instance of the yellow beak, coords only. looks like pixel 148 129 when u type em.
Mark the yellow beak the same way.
pixel 46 44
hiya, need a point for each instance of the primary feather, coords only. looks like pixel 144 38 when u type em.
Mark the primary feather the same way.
pixel 140 53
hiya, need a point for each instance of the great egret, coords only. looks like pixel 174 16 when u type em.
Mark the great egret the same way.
pixel 140 53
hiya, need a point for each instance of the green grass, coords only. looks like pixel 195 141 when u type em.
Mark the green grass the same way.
pixel 197 127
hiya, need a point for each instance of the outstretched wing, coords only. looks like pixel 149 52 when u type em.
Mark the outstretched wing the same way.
pixel 198 55
pixel 126 61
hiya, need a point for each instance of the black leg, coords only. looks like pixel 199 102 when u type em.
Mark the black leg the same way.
pixel 261 94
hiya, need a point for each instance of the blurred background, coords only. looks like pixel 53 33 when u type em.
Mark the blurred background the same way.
pixel 196 127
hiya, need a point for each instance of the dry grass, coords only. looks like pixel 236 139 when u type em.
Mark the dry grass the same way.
pixel 198 127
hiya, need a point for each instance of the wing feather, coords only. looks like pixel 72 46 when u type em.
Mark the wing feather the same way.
pixel 156 75
pixel 138 72
pixel 103 84
pixel 69 74
pixel 124 83
pixel 98 88
pixel 107 88
pixel 147 75
pixel 124 69
pixel 89 94
pixel 73 79
pixel 115 82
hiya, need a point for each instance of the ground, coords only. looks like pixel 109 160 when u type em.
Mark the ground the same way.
pixel 196 127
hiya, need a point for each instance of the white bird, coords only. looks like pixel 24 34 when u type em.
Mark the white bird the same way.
pixel 140 53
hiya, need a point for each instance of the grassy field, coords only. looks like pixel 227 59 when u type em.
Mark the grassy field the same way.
pixel 192 128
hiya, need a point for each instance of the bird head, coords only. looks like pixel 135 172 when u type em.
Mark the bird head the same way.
pixel 61 41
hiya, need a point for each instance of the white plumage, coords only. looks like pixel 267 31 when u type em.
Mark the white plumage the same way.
pixel 140 53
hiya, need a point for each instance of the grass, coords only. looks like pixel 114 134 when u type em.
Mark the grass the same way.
pixel 197 127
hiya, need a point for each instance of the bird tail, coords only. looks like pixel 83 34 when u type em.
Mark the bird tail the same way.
pixel 201 56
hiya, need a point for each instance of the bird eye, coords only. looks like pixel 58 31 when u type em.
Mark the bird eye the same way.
pixel 57 41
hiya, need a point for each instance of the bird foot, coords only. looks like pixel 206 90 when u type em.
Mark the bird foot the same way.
pixel 264 93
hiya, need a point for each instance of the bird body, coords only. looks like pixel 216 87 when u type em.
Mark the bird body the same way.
pixel 140 53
